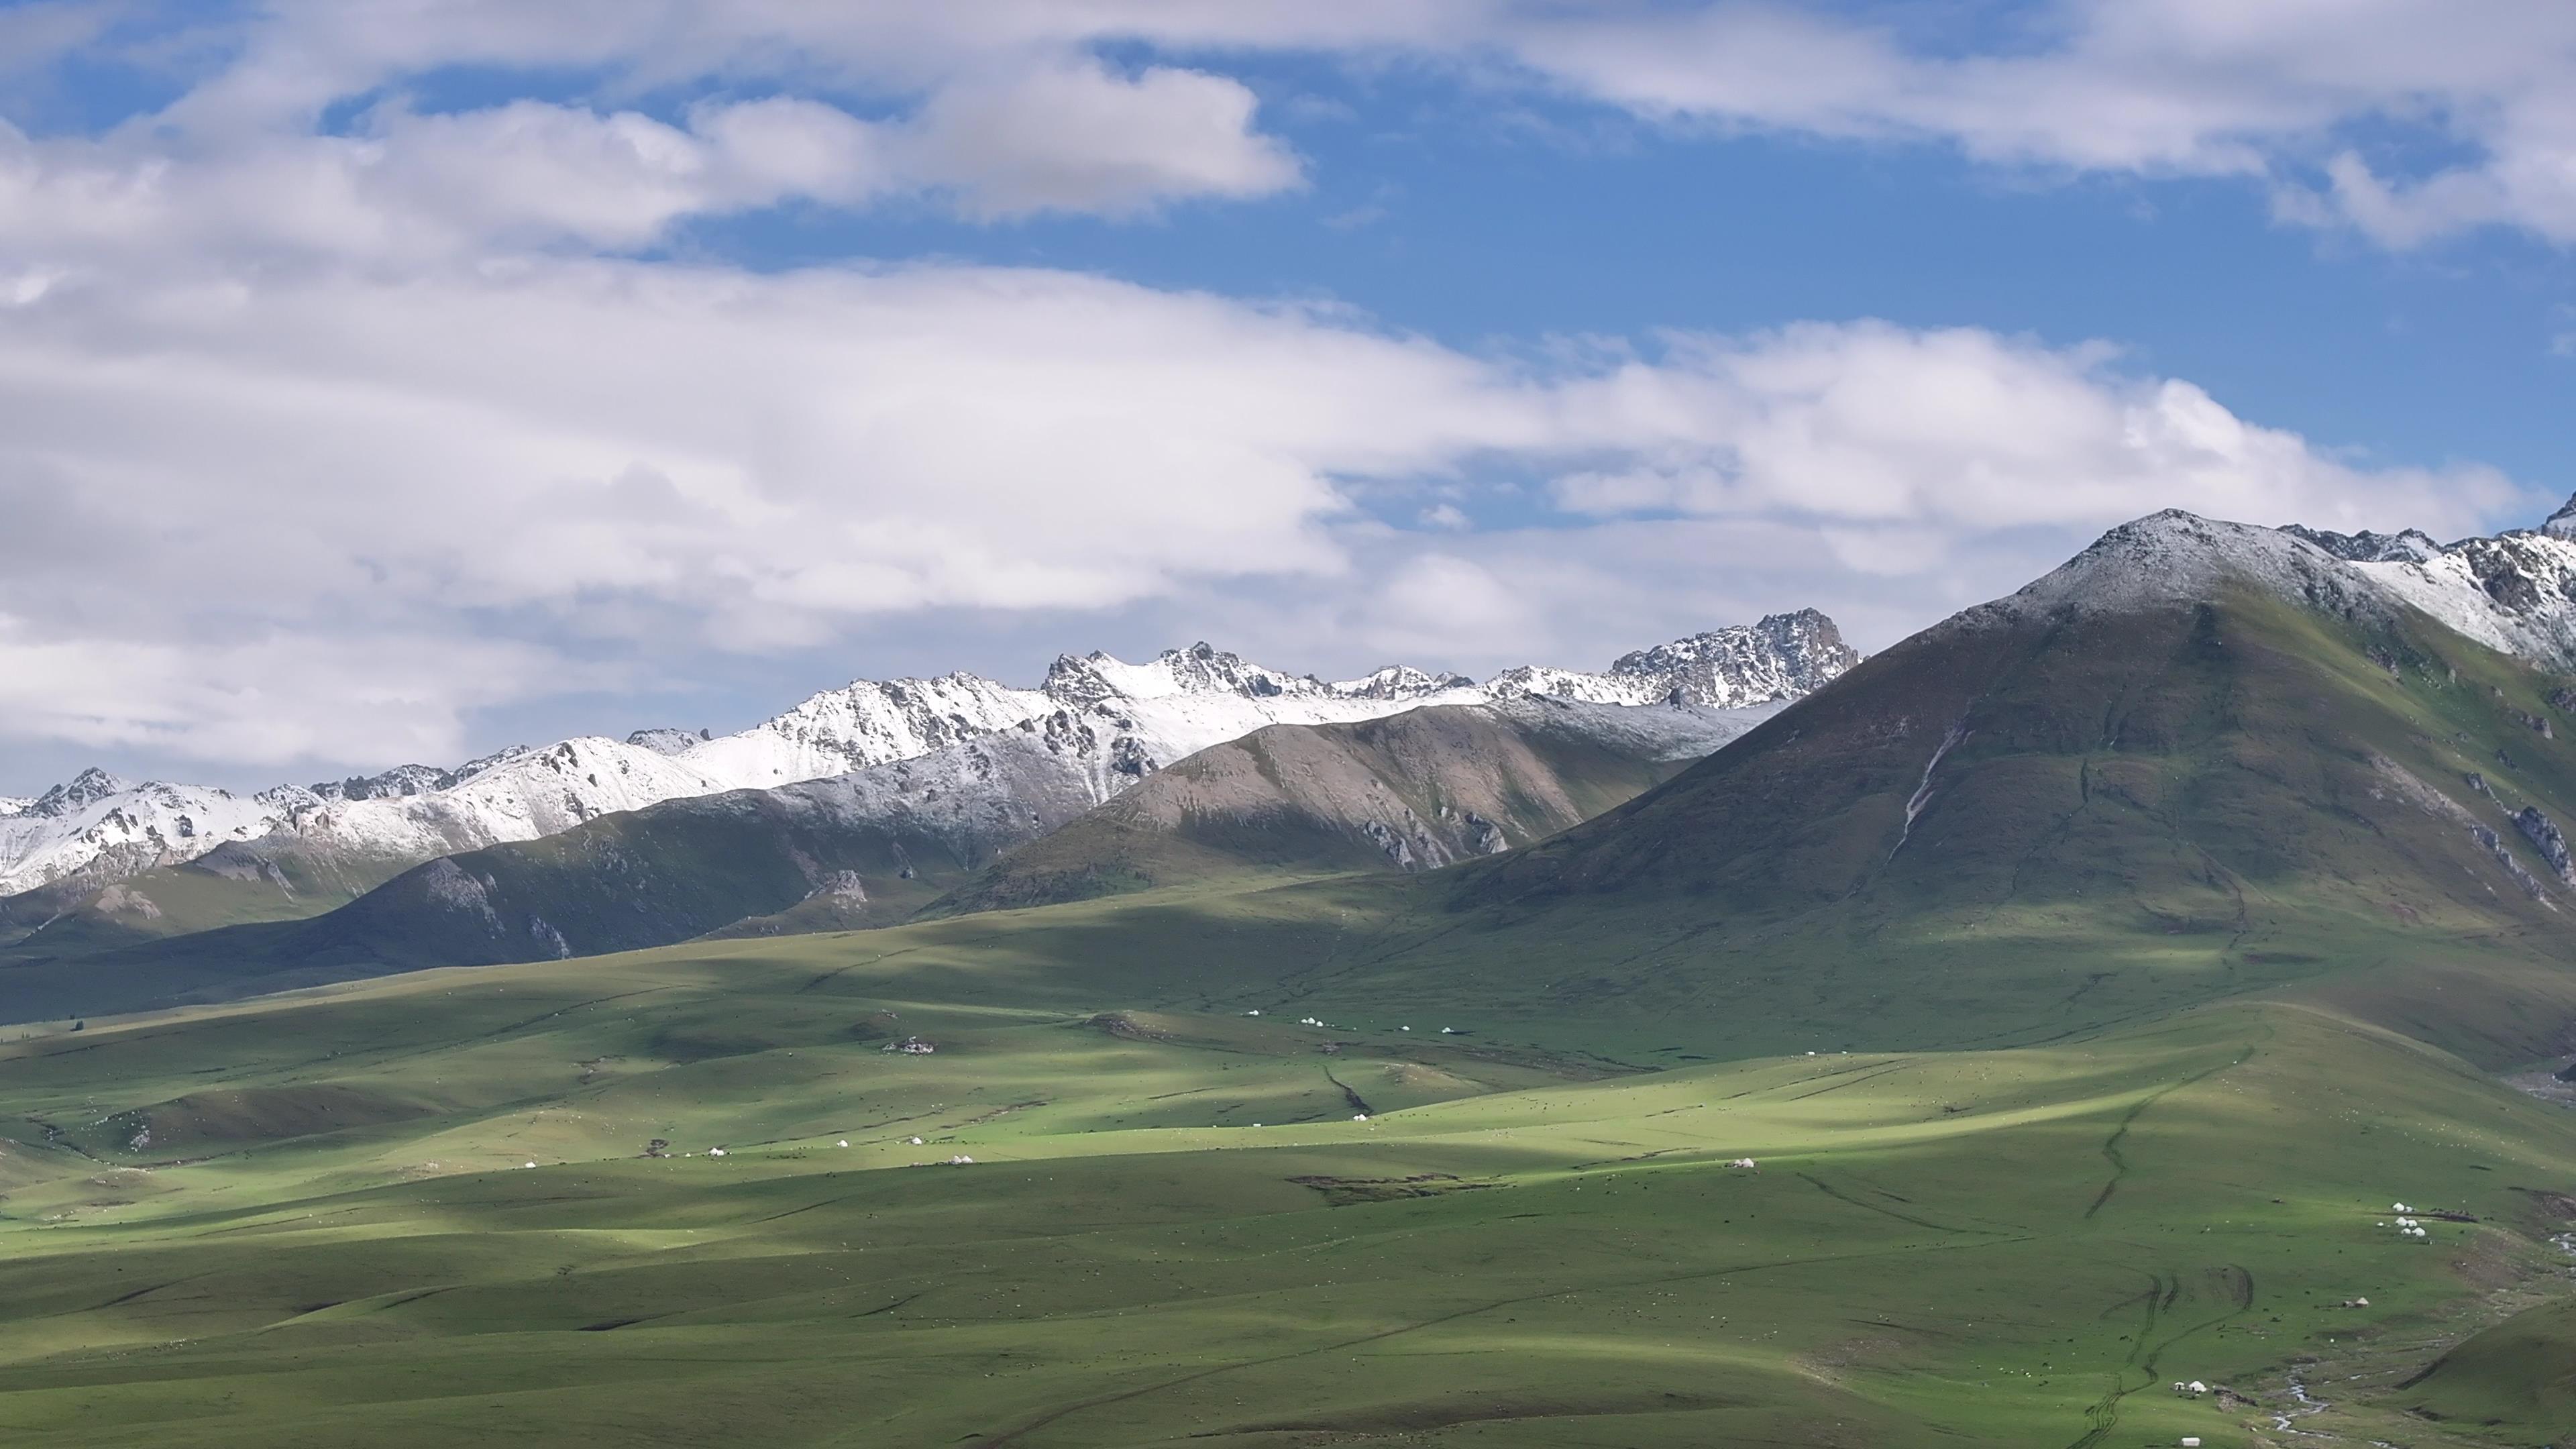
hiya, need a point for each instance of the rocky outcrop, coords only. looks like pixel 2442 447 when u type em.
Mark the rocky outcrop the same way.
pixel 2545 837
pixel 2496 847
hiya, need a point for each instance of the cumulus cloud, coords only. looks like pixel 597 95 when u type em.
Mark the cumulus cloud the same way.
pixel 405 187
pixel 1007 108
pixel 2152 87
pixel 1867 423
pixel 264 701
pixel 1073 137
pixel 242 480
pixel 2194 87
pixel 329 416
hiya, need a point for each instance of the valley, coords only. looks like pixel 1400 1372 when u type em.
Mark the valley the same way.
pixel 1175 1226
pixel 2051 1009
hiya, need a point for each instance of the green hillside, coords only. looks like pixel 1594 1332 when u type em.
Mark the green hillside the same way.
pixel 1287 802
pixel 236 885
pixel 2085 987
pixel 1414 791
pixel 1525 1243
pixel 633 879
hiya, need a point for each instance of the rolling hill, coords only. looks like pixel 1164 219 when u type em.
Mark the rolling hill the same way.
pixel 871 847
pixel 99 863
pixel 2055 1008
pixel 1414 792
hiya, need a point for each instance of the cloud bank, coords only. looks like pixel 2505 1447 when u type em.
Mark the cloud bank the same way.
pixel 332 413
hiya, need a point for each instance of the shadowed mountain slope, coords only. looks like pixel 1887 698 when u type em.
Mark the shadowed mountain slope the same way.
pixel 1413 792
pixel 872 847
pixel 2200 759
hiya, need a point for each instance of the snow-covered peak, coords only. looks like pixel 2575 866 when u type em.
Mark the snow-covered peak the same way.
pixel 84 789
pixel 865 722
pixel 2177 557
pixel 668 741
pixel 2515 592
pixel 1120 721
pixel 2405 546
pixel 1400 681
pixel 14 805
pixel 1204 669
pixel 1782 657
pixel 98 820
pixel 1201 669
pixel 2561 524
pixel 400 780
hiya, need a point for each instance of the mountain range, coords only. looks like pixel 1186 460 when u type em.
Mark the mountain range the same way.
pixel 903 785
pixel 2157 975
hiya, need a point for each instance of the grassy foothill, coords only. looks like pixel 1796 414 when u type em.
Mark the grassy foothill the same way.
pixel 218 1232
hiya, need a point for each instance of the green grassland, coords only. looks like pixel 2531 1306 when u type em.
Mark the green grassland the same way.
pixel 329 1235
pixel 238 885
pixel 2101 1072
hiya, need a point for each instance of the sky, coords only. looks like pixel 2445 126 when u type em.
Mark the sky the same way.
pixel 391 380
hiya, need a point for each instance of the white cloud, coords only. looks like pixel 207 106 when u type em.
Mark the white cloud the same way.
pixel 1867 423
pixel 315 439
pixel 2156 87
pixel 1010 109
pixel 408 188
pixel 1441 604
pixel 1071 136
pixel 265 701
pixel 508 470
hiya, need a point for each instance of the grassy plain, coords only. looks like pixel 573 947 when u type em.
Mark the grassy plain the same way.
pixel 329 1235
pixel 2089 1061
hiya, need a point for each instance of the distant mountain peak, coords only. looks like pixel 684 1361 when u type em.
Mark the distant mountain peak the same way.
pixel 2407 545
pixel 1205 669
pixel 2176 557
pixel 86 788
pixel 399 781
pixel 2514 592
pixel 1400 681
pixel 2561 524
pixel 1116 721
pixel 668 741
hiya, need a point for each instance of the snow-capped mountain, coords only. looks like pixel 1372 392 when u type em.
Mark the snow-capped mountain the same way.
pixel 1121 720
pixel 1782 657
pixel 99 822
pixel 2514 593
pixel 873 846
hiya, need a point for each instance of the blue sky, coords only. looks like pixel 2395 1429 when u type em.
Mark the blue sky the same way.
pixel 384 383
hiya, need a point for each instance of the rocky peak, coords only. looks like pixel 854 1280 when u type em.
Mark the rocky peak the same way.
pixel 84 789
pixel 2407 545
pixel 2561 524
pixel 668 741
pixel 1205 669
pixel 1079 679
pixel 1781 657
pixel 1401 681
pixel 502 756
pixel 395 783
pixel 2175 557
pixel 1800 650
pixel 1201 669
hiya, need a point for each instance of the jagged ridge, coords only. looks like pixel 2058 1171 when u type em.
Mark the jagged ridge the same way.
pixel 98 829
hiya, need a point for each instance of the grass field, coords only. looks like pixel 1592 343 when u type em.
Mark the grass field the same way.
pixel 329 1235
pixel 2092 1064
